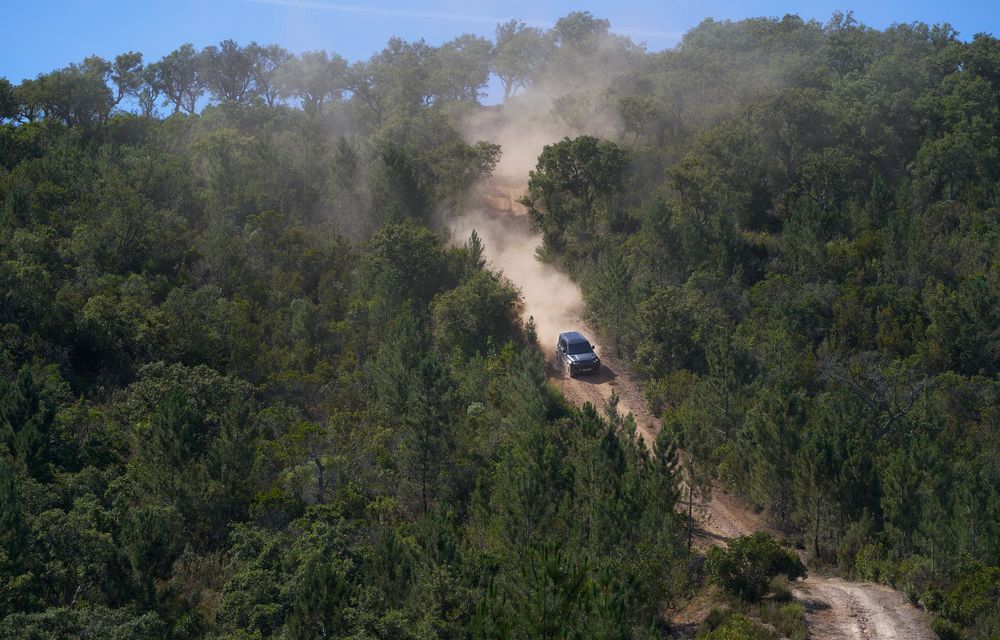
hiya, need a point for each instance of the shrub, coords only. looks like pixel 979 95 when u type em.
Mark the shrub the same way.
pixel 916 574
pixel 746 568
pixel 781 589
pixel 853 541
pixel 788 619
pixel 946 630
pixel 976 597
pixel 739 627
pixel 871 564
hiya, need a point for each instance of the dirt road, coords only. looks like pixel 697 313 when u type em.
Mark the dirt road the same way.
pixel 836 609
pixel 613 378
pixel 840 610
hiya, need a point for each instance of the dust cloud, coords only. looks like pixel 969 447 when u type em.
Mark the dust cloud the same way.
pixel 521 128
pixel 550 297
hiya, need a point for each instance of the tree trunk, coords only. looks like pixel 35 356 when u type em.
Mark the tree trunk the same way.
pixel 816 532
pixel 320 479
pixel 690 514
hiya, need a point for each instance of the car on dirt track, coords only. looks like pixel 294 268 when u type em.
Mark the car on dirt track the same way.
pixel 576 355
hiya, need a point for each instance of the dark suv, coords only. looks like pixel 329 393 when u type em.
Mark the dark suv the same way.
pixel 576 354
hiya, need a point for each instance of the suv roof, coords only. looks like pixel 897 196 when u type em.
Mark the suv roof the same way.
pixel 572 337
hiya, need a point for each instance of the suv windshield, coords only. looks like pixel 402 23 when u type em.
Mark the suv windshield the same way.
pixel 577 348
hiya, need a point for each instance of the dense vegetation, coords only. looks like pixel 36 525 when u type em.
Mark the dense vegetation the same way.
pixel 247 390
pixel 795 239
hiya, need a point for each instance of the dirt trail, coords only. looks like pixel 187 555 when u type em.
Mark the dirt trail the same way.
pixel 614 377
pixel 551 298
pixel 835 609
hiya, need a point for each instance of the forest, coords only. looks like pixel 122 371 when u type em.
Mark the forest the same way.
pixel 250 388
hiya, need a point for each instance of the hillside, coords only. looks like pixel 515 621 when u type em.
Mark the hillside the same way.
pixel 273 332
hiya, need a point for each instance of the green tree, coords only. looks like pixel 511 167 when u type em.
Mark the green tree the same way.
pixel 77 551
pixel 520 52
pixel 462 68
pixel 580 30
pixel 268 61
pixel 76 95
pixel 671 322
pixel 574 180
pixel 26 418
pixel 126 74
pixel 228 71
pixel 151 539
pixel 320 608
pixel 429 440
pixel 774 424
pixel 407 262
pixel 480 312
pixel 66 622
pixel 178 76
pixel 552 597
pixel 29 99
pixel 315 78
pixel 16 588
pixel 8 103
pixel 637 113
pixel 612 301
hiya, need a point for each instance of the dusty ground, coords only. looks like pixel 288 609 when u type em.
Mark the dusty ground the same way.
pixel 840 610
pixel 836 609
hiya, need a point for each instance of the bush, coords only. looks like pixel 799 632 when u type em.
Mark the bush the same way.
pixel 976 597
pixel 853 541
pixel 85 622
pixel 788 619
pixel 781 589
pixel 946 630
pixel 916 574
pixel 871 564
pixel 746 568
pixel 739 627
pixel 670 390
pixel 715 619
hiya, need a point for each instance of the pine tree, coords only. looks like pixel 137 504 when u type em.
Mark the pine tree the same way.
pixel 428 420
pixel 319 608
pixel 230 460
pixel 476 252
pixel 26 417
pixel 611 302
pixel 13 529
pixel 774 424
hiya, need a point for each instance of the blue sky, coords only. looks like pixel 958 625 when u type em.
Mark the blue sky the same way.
pixel 38 40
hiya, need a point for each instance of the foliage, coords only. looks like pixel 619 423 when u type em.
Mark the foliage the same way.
pixel 737 627
pixel 812 313
pixel 745 568
pixel 572 186
pixel 248 390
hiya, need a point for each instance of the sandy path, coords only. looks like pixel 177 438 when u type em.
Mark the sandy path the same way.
pixel 835 609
